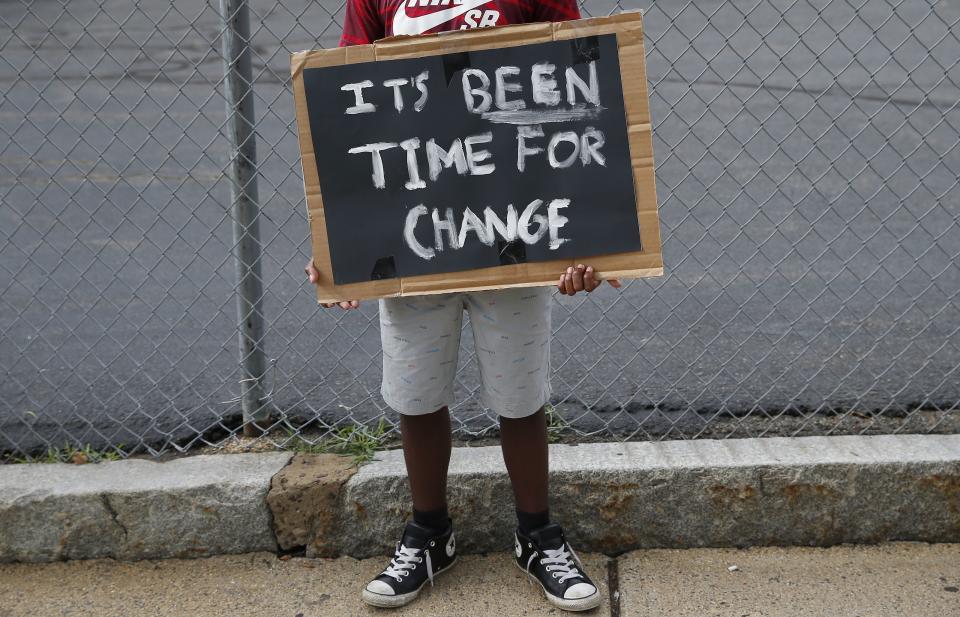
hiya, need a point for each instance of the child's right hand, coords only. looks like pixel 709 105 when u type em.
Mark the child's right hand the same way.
pixel 314 275
pixel 582 278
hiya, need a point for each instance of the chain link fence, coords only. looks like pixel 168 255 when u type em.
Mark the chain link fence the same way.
pixel 807 168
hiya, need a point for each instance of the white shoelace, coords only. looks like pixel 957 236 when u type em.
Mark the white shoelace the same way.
pixel 559 558
pixel 405 560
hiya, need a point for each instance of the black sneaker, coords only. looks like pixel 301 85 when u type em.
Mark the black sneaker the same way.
pixel 545 556
pixel 420 555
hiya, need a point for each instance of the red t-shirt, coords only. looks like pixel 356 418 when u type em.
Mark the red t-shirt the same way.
pixel 369 20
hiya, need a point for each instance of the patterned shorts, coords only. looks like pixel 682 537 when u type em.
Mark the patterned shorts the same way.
pixel 421 340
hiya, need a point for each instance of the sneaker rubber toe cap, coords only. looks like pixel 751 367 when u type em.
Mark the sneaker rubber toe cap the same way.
pixel 580 590
pixel 378 586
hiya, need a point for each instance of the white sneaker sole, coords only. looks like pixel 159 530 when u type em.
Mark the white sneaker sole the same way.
pixel 384 601
pixel 578 604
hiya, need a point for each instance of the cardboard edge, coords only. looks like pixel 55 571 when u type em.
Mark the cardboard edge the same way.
pixel 634 273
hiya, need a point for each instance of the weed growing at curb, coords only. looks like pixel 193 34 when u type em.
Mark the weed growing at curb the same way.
pixel 71 454
pixel 556 425
pixel 359 441
pixel 356 440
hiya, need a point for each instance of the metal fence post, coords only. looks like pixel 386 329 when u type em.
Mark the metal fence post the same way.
pixel 238 89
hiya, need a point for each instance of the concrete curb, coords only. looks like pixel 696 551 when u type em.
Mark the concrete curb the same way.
pixel 614 497
pixel 138 509
pixel 610 497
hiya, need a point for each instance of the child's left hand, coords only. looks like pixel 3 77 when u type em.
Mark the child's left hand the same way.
pixel 581 278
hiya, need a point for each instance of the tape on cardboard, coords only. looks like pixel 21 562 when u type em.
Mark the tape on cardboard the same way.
pixel 454 63
pixel 384 268
pixel 585 50
pixel 512 252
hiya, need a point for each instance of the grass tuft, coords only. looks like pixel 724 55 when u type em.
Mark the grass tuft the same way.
pixel 71 454
pixel 356 440
pixel 556 425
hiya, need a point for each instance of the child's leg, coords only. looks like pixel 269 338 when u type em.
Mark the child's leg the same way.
pixel 426 451
pixel 511 328
pixel 524 445
pixel 421 340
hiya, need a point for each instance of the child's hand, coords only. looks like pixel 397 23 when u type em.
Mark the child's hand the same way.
pixel 314 275
pixel 581 279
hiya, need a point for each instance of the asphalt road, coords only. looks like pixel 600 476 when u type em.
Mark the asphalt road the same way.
pixel 807 163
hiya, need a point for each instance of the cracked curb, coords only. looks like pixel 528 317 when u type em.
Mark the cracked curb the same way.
pixel 616 497
pixel 306 501
pixel 611 498
pixel 137 509
pixel 113 514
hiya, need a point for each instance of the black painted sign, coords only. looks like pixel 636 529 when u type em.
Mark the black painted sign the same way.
pixel 469 160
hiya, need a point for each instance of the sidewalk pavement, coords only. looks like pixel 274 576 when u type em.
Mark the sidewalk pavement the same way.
pixel 894 579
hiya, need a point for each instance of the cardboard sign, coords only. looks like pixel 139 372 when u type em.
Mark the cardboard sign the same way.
pixel 476 160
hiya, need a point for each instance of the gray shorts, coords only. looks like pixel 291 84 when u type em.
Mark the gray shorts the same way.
pixel 421 340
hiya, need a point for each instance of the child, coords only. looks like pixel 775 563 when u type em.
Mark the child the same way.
pixel 511 328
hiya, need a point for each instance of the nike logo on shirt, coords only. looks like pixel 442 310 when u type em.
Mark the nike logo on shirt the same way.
pixel 404 24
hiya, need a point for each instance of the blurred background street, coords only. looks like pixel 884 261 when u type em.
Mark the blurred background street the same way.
pixel 807 166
